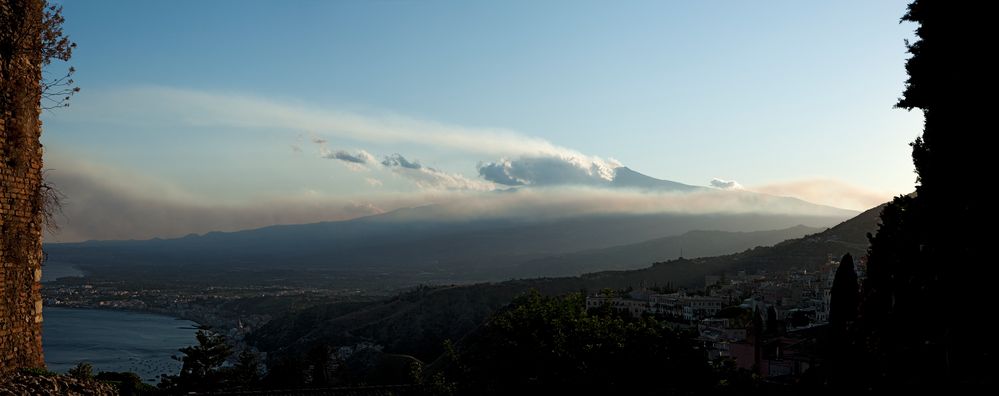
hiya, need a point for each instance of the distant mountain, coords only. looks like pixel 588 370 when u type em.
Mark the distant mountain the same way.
pixel 397 249
pixel 455 242
pixel 691 244
pixel 418 322
pixel 624 177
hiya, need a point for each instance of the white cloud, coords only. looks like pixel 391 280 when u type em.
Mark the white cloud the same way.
pixel 426 177
pixel 725 184
pixel 549 171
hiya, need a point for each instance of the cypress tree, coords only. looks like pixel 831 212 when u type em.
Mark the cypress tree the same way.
pixel 927 267
pixel 845 294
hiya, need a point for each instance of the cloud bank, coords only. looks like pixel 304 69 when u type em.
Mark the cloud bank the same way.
pixel 104 203
pixel 830 192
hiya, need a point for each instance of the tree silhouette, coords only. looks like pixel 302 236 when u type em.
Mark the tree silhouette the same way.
pixel 845 294
pixel 202 369
pixel 927 267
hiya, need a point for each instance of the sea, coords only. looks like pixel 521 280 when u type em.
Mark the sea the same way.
pixel 111 340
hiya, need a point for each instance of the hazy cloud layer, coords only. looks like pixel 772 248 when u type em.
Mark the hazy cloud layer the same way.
pixel 104 203
pixel 173 106
pixel 827 192
pixel 549 170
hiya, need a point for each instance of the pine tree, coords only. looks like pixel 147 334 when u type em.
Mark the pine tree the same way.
pixel 202 369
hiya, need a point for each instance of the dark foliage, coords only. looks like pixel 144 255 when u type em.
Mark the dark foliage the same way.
pixel 845 291
pixel 126 383
pixel 928 275
pixel 202 370
pixel 552 345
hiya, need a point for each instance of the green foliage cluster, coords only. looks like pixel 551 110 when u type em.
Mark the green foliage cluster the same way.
pixel 83 371
pixel 553 345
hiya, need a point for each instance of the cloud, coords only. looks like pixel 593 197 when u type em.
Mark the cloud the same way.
pixel 149 105
pixel 426 177
pixel 108 203
pixel 549 170
pixel 524 159
pixel 296 149
pixel 361 157
pixel 725 184
pixel 830 192
pixel 395 160
pixel 373 182
pixel 355 162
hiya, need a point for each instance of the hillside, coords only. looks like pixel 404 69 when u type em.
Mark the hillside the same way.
pixel 398 249
pixel 692 244
pixel 418 322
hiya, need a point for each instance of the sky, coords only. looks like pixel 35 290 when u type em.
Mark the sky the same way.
pixel 230 114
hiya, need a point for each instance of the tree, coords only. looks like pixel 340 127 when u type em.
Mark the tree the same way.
pixel 202 365
pixel 927 265
pixel 553 345
pixel 246 372
pixel 842 313
pixel 845 294
pixel 42 40
pixel 82 370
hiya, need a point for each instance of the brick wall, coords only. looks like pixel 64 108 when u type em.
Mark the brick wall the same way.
pixel 20 187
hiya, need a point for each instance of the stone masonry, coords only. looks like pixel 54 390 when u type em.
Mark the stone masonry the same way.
pixel 21 201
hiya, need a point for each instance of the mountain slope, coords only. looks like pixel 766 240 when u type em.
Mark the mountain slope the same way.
pixel 418 322
pixel 692 244
pixel 624 177
pixel 408 248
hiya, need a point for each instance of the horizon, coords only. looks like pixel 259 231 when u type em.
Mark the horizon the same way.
pixel 338 111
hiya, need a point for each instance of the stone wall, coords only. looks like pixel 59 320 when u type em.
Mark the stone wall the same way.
pixel 21 201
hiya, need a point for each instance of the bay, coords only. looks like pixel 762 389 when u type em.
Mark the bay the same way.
pixel 114 341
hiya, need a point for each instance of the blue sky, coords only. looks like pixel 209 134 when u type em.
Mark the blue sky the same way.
pixel 224 102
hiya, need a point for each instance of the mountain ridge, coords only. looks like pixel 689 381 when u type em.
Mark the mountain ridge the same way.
pixel 418 322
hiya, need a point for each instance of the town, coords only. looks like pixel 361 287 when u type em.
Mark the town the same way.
pixel 766 322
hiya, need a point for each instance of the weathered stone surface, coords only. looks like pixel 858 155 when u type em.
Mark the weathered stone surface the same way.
pixel 22 383
pixel 21 200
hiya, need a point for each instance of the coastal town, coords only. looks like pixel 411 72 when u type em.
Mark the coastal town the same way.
pixel 764 321
pixel 230 311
